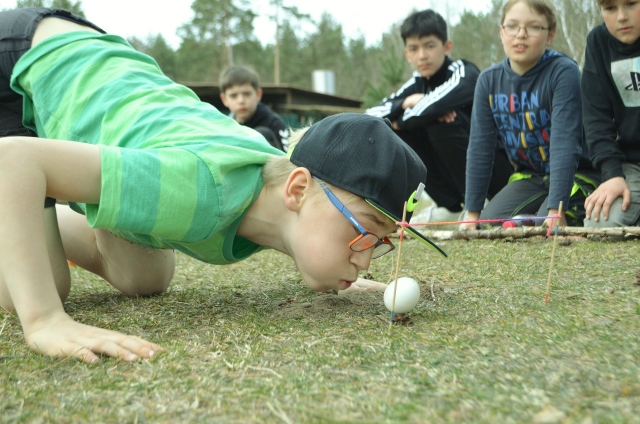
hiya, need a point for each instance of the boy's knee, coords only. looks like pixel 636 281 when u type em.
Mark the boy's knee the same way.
pixel 146 279
pixel 145 285
pixel 11 148
pixel 617 217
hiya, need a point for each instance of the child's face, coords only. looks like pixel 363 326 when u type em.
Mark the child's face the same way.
pixel 242 100
pixel 322 252
pixel 523 49
pixel 426 54
pixel 622 18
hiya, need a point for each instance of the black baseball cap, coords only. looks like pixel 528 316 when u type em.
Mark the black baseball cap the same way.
pixel 363 155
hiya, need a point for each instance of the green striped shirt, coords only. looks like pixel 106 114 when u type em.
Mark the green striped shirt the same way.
pixel 176 173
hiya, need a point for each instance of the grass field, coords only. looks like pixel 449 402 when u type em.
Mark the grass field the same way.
pixel 249 343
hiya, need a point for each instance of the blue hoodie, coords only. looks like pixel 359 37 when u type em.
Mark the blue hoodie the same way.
pixel 536 117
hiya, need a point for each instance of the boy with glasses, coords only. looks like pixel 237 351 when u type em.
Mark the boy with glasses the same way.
pixel 530 104
pixel 152 169
pixel 611 112
pixel 432 113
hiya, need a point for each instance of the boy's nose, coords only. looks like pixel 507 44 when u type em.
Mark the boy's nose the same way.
pixel 622 14
pixel 362 259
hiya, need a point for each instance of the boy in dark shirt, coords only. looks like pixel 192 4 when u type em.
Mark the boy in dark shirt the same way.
pixel 611 114
pixel 240 91
pixel 432 113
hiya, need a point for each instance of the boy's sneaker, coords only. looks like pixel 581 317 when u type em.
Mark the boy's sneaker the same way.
pixel 434 213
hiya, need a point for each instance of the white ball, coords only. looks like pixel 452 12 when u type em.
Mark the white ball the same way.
pixel 407 295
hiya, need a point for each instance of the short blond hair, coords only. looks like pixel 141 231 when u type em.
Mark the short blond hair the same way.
pixel 543 7
pixel 277 169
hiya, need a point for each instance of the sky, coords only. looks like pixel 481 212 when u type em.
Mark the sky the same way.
pixel 130 18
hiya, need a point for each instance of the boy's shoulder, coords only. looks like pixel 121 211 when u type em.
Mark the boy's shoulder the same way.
pixel 454 64
pixel 467 64
pixel 264 115
pixel 597 33
pixel 267 111
pixel 496 67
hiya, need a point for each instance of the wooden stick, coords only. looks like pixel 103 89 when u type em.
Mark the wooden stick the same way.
pixel 616 233
pixel 395 286
pixel 553 253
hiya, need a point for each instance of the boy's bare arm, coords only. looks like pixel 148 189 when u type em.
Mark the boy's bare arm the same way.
pixel 29 169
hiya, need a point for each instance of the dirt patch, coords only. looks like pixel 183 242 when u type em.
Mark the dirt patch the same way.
pixel 334 303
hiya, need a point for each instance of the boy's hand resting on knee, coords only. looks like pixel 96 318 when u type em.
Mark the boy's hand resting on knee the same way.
pixel 61 336
pixel 602 198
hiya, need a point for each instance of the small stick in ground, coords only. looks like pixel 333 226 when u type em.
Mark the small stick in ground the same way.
pixel 395 287
pixel 553 252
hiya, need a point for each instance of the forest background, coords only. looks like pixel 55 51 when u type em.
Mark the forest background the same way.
pixel 221 33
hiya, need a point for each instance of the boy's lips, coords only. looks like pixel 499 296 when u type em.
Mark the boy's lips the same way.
pixel 345 284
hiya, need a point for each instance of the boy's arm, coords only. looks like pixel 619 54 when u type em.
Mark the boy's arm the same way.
pixel 565 143
pixel 29 169
pixel 601 133
pixel 455 93
pixel 392 107
pixel 598 114
pixel 480 153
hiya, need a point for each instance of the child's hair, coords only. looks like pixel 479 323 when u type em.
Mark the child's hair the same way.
pixel 422 24
pixel 542 7
pixel 601 3
pixel 238 75
pixel 277 169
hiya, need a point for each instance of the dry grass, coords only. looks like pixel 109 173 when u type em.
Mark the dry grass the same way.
pixel 249 343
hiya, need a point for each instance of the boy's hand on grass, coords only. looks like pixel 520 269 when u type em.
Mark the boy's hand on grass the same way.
pixel 604 196
pixel 63 337
pixel 362 284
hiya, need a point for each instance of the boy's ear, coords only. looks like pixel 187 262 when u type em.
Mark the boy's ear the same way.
pixel 448 46
pixel 224 99
pixel 297 188
pixel 259 94
pixel 552 35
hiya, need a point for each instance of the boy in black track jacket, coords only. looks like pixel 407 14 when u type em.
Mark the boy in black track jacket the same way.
pixel 432 113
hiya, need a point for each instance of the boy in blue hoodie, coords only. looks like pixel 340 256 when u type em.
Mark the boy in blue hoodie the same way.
pixel 531 104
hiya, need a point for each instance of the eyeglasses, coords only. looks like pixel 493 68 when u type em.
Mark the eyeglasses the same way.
pixel 365 240
pixel 530 30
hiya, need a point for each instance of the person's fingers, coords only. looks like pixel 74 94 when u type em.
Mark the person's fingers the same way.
pixel 606 206
pixel 86 356
pixel 588 207
pixel 626 199
pixel 596 204
pixel 113 349
pixel 74 350
pixel 140 347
